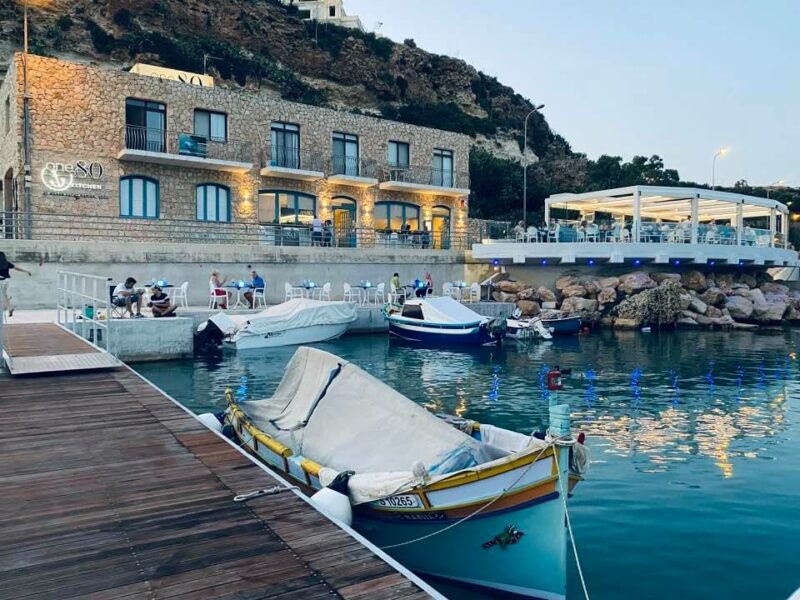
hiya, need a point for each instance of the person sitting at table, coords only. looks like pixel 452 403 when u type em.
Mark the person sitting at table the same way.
pixel 125 296
pixel 160 303
pixel 426 287
pixel 216 283
pixel 519 231
pixel 397 290
pixel 256 283
pixel 327 233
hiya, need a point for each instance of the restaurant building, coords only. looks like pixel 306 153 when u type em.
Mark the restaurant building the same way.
pixel 157 154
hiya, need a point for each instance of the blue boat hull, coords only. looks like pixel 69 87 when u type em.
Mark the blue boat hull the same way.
pixel 564 326
pixel 432 335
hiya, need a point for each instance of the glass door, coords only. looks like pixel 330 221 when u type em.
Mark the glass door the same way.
pixel 345 154
pixel 441 227
pixel 344 222
pixel 145 125
pixel 285 142
pixel 442 168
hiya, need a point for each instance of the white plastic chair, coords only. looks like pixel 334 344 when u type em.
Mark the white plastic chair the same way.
pixel 292 292
pixel 531 234
pixel 324 293
pixel 395 294
pixel 592 232
pixel 379 293
pixel 182 295
pixel 447 289
pixel 351 295
pixel 474 293
pixel 215 299
pixel 711 237
pixel 552 235
pixel 520 236
pixel 259 298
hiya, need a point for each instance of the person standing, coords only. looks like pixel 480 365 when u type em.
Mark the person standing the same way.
pixel 5 275
pixel 316 231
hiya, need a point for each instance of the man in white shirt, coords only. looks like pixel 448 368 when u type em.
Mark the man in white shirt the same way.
pixel 125 296
pixel 316 231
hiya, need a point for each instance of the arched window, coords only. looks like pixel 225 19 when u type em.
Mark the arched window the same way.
pixel 440 226
pixel 139 197
pixel 213 202
pixel 396 215
pixel 286 208
pixel 344 221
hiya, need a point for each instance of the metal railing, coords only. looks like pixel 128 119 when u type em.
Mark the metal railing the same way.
pixel 420 175
pixel 180 231
pixel 2 321
pixel 353 166
pixel 167 141
pixel 83 305
pixel 290 157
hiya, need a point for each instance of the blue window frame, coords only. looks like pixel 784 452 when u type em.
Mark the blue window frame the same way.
pixel 396 215
pixel 285 207
pixel 139 197
pixel 213 202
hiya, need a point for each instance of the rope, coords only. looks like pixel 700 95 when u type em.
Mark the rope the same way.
pixel 275 489
pixel 479 510
pixel 571 536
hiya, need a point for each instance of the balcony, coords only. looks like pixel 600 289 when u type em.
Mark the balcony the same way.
pixel 352 171
pixel 289 162
pixel 424 180
pixel 180 149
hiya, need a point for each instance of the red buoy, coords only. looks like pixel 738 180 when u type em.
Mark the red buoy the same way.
pixel 554 380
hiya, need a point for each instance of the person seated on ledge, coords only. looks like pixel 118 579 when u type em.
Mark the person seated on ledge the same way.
pixel 519 230
pixel 160 303
pixel 125 296
pixel 256 283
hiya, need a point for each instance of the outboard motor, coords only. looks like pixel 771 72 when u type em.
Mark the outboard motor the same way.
pixel 208 335
pixel 498 329
pixel 333 498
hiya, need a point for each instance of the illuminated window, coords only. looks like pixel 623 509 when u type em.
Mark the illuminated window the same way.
pixel 213 202
pixel 395 216
pixel 138 197
pixel 286 208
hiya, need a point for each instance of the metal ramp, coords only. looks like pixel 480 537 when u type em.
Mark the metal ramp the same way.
pixel 33 349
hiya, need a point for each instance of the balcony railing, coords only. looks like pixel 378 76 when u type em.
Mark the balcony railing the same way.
pixel 352 166
pixel 291 157
pixel 106 228
pixel 429 176
pixel 166 141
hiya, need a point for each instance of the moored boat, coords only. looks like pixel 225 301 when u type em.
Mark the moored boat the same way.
pixel 442 321
pixel 522 329
pixel 563 325
pixel 467 502
pixel 295 322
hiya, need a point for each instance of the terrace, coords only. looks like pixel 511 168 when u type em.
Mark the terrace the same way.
pixel 646 224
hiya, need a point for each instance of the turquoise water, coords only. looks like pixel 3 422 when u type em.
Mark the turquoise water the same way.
pixel 694 488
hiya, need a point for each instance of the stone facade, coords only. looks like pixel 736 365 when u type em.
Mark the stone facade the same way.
pixel 78 112
pixel 10 142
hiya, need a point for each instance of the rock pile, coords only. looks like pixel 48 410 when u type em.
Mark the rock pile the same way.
pixel 692 299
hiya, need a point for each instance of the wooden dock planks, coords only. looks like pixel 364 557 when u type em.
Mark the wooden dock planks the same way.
pixel 112 491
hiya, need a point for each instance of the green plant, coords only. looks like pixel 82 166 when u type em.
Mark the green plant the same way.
pixel 103 41
pixel 443 115
pixel 64 22
pixel 123 17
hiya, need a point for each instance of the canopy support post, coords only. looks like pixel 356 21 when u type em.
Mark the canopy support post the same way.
pixel 785 229
pixel 739 222
pixel 547 213
pixel 771 227
pixel 637 216
pixel 695 207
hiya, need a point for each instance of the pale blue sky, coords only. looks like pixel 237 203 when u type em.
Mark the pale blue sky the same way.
pixel 677 78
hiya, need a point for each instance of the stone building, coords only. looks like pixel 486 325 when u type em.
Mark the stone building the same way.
pixel 163 155
pixel 326 11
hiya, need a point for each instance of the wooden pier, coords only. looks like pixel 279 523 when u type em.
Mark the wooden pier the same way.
pixel 110 490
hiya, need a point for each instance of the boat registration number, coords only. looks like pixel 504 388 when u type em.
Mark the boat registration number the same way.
pixel 401 501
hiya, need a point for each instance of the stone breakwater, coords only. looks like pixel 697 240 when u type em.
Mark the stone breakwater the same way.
pixel 688 300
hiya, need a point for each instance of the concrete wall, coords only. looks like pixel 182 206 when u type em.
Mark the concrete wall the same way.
pixel 193 263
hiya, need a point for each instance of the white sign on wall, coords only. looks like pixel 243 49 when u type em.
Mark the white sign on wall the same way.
pixel 80 175
pixel 173 75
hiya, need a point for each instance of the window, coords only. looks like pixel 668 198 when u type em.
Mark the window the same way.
pixel 211 125
pixel 138 197
pixel 331 11
pixel 145 124
pixel 440 223
pixel 398 155
pixel 8 113
pixel 412 311
pixel 395 216
pixel 304 13
pixel 286 208
pixel 442 174
pixel 345 154
pixel 213 202
pixel 285 145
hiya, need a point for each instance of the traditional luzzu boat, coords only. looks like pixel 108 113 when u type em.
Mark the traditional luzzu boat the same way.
pixel 563 325
pixel 522 329
pixel 442 321
pixel 467 502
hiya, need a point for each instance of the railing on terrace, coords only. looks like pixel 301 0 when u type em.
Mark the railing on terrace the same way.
pixel 424 176
pixel 290 157
pixel 83 305
pixel 166 141
pixel 353 166
pixel 184 231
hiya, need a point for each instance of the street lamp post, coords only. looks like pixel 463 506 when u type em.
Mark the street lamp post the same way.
pixel 720 152
pixel 525 165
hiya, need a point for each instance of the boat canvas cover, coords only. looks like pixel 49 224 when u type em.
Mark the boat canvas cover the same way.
pixel 293 314
pixel 336 414
pixel 447 310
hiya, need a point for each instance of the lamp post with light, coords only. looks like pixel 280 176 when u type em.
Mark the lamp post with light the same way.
pixel 720 152
pixel 525 165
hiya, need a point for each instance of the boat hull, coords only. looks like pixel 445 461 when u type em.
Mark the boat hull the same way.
pixel 289 337
pixel 432 335
pixel 564 326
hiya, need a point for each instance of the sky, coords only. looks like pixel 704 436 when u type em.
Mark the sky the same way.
pixel 676 78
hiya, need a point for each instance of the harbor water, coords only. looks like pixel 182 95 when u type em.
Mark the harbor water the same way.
pixel 694 485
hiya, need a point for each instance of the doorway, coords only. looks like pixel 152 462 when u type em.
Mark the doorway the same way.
pixel 7 219
pixel 344 221
pixel 441 227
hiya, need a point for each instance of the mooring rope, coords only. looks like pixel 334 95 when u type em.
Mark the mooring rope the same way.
pixel 571 536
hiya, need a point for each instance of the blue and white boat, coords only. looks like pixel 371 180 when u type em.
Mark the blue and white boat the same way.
pixel 467 502
pixel 563 325
pixel 443 322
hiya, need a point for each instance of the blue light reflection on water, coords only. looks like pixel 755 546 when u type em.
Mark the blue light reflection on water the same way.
pixel 695 480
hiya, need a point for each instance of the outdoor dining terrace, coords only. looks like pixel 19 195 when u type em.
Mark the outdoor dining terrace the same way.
pixel 650 224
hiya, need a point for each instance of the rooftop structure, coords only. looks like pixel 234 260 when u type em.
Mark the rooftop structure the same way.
pixel 661 225
pixel 328 11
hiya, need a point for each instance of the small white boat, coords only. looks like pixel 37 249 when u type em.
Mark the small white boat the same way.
pixel 295 322
pixel 527 329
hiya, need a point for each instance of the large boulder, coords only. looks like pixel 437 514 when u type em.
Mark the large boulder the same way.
pixel 774 288
pixel 575 305
pixel 713 296
pixel 757 296
pixel 724 280
pixel 527 294
pixel 574 290
pixel 746 279
pixel 742 292
pixel 660 305
pixel 635 282
pixel 627 323
pixel 694 280
pixel 609 282
pixel 607 295
pixel 659 277
pixel 772 309
pixel 545 295
pixel 686 323
pixel 739 307
pixel 529 308
pixel 510 287
pixel 685 301
pixel 698 306
pixel 504 297
pixel 566 281
pixel 724 322
pixel 713 312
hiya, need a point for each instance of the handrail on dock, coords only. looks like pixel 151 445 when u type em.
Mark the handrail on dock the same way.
pixel 84 307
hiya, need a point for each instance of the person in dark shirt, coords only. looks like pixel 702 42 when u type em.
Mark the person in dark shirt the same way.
pixel 5 274
pixel 256 284
pixel 160 304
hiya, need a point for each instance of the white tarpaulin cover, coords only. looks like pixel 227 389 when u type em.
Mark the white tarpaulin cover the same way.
pixel 300 312
pixel 338 415
pixel 445 309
